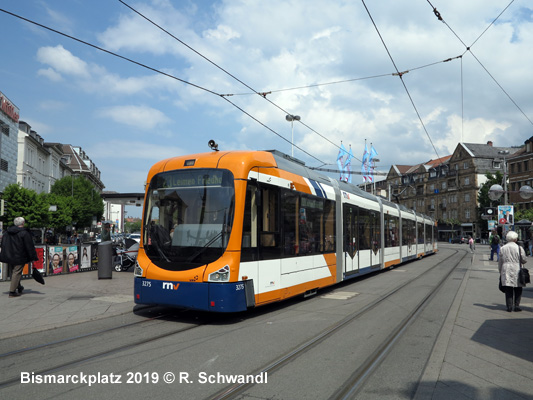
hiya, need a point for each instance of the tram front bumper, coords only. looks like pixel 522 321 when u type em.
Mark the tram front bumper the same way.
pixel 205 296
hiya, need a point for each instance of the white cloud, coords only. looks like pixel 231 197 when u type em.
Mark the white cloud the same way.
pixel 133 150
pixel 222 33
pixel 141 117
pixel 286 44
pixel 51 74
pixel 63 61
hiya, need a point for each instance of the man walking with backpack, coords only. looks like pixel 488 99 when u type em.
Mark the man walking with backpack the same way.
pixel 494 241
pixel 17 250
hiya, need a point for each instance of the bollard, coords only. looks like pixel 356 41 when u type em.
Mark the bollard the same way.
pixel 105 260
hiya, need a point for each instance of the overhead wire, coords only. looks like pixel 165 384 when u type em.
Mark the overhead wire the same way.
pixel 226 72
pixel 400 75
pixel 159 72
pixel 265 93
pixel 105 50
pixel 469 50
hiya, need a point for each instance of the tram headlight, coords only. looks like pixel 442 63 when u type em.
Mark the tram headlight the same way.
pixel 222 275
pixel 138 271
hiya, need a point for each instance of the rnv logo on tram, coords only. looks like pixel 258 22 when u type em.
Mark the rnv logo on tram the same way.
pixel 170 286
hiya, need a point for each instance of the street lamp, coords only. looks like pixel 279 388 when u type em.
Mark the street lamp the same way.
pixel 496 191
pixel 504 153
pixel 291 119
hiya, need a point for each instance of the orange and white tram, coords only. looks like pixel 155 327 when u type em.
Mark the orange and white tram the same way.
pixel 227 231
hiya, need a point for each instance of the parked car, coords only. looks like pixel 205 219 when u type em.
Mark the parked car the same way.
pixel 458 240
pixel 136 237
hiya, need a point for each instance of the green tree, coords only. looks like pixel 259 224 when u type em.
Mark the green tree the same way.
pixel 483 194
pixel 524 214
pixel 22 202
pixel 132 227
pixel 86 202
pixel 61 217
pixel 484 199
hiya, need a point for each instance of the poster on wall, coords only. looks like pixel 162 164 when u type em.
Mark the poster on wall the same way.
pixel 85 261
pixel 56 260
pixel 506 215
pixel 492 225
pixel 72 258
pixel 41 263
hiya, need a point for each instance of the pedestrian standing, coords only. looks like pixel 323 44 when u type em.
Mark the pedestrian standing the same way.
pixel 106 233
pixel 17 249
pixel 471 244
pixel 512 256
pixel 494 241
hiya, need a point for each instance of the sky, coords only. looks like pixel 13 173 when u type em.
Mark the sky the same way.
pixel 333 63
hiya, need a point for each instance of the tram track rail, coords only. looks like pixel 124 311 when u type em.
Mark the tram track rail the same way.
pixel 357 379
pixel 11 357
pixel 77 337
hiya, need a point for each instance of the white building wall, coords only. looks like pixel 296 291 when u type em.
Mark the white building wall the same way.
pixel 33 166
pixel 114 213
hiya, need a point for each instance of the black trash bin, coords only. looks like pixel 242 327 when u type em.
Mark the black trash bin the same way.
pixel 105 260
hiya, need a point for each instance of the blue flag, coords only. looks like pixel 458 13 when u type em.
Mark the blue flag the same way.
pixel 372 156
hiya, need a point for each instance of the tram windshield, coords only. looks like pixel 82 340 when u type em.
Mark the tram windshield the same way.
pixel 188 217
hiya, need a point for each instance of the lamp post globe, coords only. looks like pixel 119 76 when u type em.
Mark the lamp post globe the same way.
pixel 495 192
pixel 526 192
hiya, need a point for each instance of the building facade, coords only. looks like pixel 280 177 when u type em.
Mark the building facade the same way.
pixel 9 120
pixel 81 165
pixel 520 170
pixel 447 188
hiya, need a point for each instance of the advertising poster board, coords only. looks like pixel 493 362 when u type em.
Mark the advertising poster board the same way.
pixel 72 258
pixel 85 261
pixel 505 215
pixel 56 260
pixel 41 263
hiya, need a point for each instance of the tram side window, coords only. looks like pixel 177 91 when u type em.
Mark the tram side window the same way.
pixel 350 229
pixel 364 229
pixel 249 250
pixel 429 233
pixel 285 223
pixel 376 231
pixel 420 232
pixel 270 240
pixel 311 216
pixel 329 226
pixel 289 211
pixel 408 232
pixel 308 224
pixel 391 230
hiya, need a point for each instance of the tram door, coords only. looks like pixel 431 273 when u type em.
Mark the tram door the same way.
pixel 261 240
pixel 369 238
pixel 351 239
